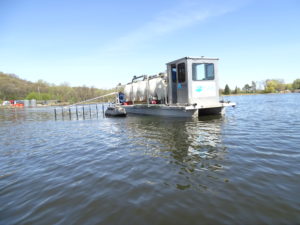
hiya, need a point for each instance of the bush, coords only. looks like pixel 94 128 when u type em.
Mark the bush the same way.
pixel 296 84
pixel 33 95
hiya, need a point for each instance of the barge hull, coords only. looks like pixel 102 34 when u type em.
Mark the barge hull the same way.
pixel 177 111
pixel 170 111
pixel 161 112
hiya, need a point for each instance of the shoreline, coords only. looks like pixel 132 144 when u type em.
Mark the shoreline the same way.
pixel 259 94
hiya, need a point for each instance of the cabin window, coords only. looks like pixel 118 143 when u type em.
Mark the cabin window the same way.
pixel 203 71
pixel 181 72
pixel 174 73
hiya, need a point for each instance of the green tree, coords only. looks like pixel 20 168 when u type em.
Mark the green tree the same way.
pixel 45 96
pixel 33 95
pixel 274 85
pixel 227 90
pixel 296 84
pixel 236 90
pixel 253 87
pixel 246 88
pixel 289 87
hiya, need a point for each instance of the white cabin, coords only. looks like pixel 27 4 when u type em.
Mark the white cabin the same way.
pixel 193 81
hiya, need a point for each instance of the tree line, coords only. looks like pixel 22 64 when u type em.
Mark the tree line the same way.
pixel 12 88
pixel 267 86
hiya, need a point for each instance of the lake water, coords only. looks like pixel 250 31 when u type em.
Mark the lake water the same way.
pixel 242 168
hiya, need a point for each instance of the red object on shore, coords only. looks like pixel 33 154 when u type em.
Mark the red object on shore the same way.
pixel 18 105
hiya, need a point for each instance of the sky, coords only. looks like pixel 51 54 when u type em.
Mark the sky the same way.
pixel 102 43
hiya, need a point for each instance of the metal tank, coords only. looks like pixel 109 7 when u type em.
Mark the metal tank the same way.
pixel 155 87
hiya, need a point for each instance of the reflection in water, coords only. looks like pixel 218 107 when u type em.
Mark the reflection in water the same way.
pixel 193 145
pixel 9 116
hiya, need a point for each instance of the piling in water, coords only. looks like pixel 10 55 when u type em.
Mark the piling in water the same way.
pixel 83 112
pixel 55 114
pixel 90 112
pixel 97 110
pixel 76 112
pixel 103 110
pixel 70 114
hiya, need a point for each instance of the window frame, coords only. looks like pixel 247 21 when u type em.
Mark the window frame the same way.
pixel 181 73
pixel 194 78
pixel 174 73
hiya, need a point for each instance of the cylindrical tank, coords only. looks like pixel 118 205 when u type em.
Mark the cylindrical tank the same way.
pixel 134 87
pixel 161 89
pixel 127 92
pixel 152 87
pixel 142 90
pixel 137 91
pixel 130 91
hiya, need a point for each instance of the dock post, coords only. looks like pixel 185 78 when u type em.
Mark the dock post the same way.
pixel 55 114
pixel 70 113
pixel 76 112
pixel 103 110
pixel 97 110
pixel 62 112
pixel 83 112
pixel 90 112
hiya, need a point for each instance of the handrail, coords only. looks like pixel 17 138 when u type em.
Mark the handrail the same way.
pixel 102 96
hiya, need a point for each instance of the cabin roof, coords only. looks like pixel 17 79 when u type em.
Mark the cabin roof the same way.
pixel 195 58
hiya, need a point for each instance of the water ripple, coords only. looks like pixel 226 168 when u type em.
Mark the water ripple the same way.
pixel 241 168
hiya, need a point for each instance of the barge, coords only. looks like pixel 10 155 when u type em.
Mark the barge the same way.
pixel 190 88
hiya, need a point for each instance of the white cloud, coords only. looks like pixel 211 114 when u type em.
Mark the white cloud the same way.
pixel 182 15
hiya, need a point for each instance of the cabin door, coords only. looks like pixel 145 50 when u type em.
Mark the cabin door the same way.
pixel 174 83
pixel 182 89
